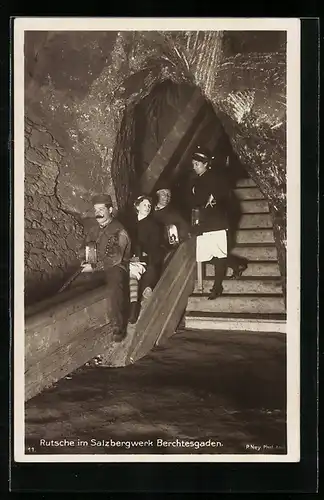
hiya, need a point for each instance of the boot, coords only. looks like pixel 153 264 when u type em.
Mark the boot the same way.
pixel 238 264
pixel 215 292
pixel 118 333
pixel 119 336
pixel 133 296
pixel 220 271
pixel 133 313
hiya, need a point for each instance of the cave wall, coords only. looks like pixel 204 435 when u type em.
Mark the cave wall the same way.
pixel 250 97
pixel 66 92
pixel 52 237
pixel 64 162
pixel 83 88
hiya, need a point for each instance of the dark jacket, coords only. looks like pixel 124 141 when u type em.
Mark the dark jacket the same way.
pixel 149 240
pixel 113 245
pixel 215 183
pixel 167 216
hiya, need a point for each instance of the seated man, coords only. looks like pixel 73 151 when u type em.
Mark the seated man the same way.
pixel 113 250
pixel 169 217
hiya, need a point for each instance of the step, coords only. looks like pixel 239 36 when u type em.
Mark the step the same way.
pixel 254 236
pixel 237 303
pixel 254 269
pixel 257 252
pixel 248 193
pixel 245 182
pixel 251 221
pixel 238 315
pixel 254 206
pixel 245 286
pixel 200 322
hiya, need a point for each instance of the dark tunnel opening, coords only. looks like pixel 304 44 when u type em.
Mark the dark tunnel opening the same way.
pixel 154 118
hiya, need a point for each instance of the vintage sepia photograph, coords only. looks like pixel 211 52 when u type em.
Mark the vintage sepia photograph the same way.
pixel 157 215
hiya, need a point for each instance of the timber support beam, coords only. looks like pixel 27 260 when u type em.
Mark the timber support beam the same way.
pixel 171 142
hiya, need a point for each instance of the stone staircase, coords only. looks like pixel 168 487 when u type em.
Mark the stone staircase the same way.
pixel 255 302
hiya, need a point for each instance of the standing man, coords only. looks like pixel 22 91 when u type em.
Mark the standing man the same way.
pixel 210 196
pixel 113 248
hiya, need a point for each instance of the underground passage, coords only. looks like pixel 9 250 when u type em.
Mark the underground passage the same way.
pixel 115 116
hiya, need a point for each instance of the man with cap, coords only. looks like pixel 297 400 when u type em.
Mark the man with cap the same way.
pixel 210 198
pixel 113 249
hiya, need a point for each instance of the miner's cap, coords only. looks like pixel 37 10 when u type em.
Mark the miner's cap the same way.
pixel 102 198
pixel 201 154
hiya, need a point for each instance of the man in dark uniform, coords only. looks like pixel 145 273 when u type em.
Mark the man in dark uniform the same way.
pixel 113 247
pixel 168 216
pixel 210 197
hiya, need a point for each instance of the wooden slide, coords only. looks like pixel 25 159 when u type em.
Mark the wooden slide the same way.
pixel 64 333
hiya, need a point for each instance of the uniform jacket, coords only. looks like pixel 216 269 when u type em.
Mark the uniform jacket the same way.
pixel 211 192
pixel 113 245
pixel 168 215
